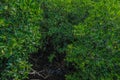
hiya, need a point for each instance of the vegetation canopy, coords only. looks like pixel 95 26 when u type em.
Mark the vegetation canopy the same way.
pixel 77 39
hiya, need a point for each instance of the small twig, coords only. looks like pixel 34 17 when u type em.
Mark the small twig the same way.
pixel 34 72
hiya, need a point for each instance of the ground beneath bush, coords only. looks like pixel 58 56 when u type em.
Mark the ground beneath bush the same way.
pixel 42 69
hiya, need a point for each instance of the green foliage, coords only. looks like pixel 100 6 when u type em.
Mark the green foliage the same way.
pixel 86 31
pixel 96 51
pixel 19 36
pixel 51 57
pixel 55 28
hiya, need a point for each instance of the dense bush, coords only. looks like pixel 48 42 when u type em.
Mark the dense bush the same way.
pixel 85 32
pixel 56 29
pixel 96 50
pixel 59 17
pixel 19 36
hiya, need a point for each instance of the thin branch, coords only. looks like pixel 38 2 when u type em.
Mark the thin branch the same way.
pixel 34 72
